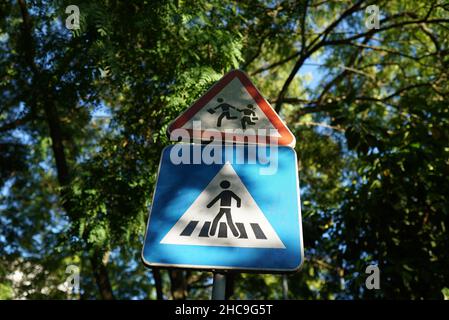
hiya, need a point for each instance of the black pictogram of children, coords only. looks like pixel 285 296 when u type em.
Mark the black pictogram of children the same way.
pixel 225 198
pixel 248 114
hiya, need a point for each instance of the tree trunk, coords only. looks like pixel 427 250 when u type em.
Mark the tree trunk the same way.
pixel 158 283
pixel 46 99
pixel 97 259
pixel 99 262
pixel 178 286
pixel 230 280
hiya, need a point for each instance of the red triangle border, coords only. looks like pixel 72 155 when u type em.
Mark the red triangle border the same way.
pixel 286 137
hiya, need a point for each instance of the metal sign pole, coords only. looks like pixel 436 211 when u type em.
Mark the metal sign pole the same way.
pixel 219 286
pixel 284 287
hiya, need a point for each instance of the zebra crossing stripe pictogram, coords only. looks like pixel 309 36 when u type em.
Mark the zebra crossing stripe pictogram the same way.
pixel 254 227
pixel 224 214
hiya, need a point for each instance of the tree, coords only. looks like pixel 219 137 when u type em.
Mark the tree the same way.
pixel 83 115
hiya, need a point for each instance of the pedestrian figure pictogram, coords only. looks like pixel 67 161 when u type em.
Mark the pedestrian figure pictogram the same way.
pixel 224 214
pixel 225 198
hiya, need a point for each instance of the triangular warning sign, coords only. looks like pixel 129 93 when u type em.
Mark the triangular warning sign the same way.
pixel 226 215
pixel 234 103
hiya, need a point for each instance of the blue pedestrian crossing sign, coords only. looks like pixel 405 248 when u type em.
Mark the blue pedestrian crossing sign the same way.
pixel 226 207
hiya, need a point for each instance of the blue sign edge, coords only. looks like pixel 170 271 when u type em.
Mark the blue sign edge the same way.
pixel 224 268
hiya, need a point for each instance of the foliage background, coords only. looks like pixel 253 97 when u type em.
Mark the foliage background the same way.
pixel 83 116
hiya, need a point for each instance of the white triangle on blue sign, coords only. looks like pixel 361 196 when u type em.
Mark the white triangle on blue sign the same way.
pixel 239 222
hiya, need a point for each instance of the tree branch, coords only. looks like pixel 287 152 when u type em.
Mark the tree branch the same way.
pixel 320 124
pixel 311 48
pixel 375 31
pixel 291 101
pixel 335 23
pixel 16 123
pixel 339 77
pixel 258 51
pixel 276 64
pixel 396 93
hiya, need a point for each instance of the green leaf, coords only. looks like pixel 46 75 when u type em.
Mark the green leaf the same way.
pixel 445 292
